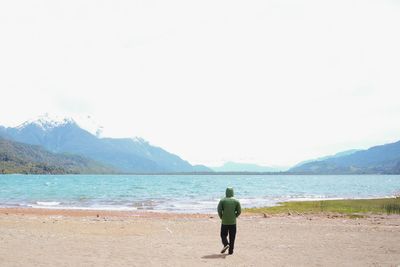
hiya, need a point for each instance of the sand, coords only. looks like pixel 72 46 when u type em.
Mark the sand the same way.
pixel 33 237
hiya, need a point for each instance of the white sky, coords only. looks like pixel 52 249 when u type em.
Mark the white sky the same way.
pixel 267 82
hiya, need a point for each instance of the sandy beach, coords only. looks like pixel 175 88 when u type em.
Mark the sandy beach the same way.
pixel 36 237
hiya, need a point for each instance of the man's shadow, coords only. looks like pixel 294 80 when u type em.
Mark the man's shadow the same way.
pixel 215 256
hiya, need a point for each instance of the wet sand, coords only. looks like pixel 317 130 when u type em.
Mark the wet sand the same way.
pixel 39 237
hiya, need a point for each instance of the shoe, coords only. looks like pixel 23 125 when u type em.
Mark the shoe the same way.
pixel 224 249
pixel 230 252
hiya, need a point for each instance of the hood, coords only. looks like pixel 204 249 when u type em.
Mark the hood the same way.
pixel 229 192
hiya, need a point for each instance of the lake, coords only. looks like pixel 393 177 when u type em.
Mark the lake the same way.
pixel 184 193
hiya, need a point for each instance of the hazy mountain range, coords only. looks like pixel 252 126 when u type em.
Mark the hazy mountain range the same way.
pixel 126 155
pixel 47 145
pixel 383 159
pixel 246 167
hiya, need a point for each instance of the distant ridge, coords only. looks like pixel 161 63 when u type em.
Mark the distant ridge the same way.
pixel 337 155
pixel 245 167
pixel 126 155
pixel 17 157
pixel 383 159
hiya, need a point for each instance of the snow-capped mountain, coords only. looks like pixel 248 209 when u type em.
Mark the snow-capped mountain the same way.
pixel 49 122
pixel 45 122
pixel 65 135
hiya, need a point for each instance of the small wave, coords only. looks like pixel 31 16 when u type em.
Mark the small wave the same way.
pixel 95 207
pixel 48 203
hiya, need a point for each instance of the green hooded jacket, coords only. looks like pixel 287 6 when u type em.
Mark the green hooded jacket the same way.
pixel 229 208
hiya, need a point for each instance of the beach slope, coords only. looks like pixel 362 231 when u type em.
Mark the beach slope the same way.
pixel 61 238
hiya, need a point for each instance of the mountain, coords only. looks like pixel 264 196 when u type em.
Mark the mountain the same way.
pixel 17 157
pixel 124 154
pixel 337 155
pixel 383 159
pixel 245 167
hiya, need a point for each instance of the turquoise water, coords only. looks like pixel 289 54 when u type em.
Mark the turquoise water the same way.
pixel 183 193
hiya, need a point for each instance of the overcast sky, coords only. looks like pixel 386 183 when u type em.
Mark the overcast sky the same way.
pixel 268 82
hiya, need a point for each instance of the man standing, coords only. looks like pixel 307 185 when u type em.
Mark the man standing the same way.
pixel 228 210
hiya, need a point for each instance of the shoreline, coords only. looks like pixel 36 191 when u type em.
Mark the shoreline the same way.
pixel 320 208
pixel 124 211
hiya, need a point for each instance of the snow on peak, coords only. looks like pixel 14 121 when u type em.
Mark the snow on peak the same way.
pixel 47 122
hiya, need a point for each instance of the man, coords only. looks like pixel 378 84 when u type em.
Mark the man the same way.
pixel 228 210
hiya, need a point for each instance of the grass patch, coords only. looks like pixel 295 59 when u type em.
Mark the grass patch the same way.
pixel 348 206
pixel 392 208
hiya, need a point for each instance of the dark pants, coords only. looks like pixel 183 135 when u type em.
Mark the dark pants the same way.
pixel 231 229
